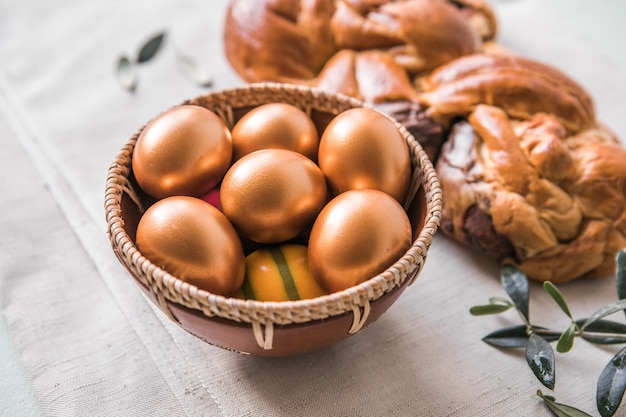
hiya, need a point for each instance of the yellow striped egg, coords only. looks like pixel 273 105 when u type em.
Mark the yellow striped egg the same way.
pixel 279 273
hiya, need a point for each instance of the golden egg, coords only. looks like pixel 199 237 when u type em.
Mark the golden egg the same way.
pixel 183 151
pixel 357 235
pixel 279 273
pixel 273 195
pixel 194 241
pixel 361 148
pixel 275 126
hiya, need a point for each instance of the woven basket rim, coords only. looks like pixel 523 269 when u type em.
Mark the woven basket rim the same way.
pixel 166 287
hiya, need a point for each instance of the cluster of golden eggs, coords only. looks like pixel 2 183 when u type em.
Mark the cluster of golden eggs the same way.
pixel 272 209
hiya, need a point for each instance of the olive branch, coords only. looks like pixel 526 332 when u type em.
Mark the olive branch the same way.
pixel 536 339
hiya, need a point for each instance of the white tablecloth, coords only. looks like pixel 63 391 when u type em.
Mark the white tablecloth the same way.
pixel 77 338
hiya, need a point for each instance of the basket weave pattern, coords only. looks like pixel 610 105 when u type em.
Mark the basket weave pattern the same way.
pixel 164 286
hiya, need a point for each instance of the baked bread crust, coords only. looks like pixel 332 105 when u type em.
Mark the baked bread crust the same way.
pixel 278 40
pixel 519 85
pixel 528 177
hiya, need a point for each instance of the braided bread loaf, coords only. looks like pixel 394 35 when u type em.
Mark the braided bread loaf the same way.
pixel 529 175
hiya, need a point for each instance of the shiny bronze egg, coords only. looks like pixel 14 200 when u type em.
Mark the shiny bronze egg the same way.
pixel 192 240
pixel 183 151
pixel 357 235
pixel 275 126
pixel 273 195
pixel 361 148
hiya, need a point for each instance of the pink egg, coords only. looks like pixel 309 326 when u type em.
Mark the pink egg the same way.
pixel 213 197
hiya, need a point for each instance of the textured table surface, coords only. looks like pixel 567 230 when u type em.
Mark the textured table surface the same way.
pixel 78 339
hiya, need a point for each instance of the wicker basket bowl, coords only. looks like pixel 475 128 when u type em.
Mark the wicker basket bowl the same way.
pixel 271 328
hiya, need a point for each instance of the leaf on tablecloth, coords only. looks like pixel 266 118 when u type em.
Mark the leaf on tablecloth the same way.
pixel 540 358
pixel 620 276
pixel 561 410
pixel 611 329
pixel 566 341
pixel 510 337
pixel 126 73
pixel 611 385
pixel 194 71
pixel 609 309
pixel 515 283
pixel 150 48
pixel 557 296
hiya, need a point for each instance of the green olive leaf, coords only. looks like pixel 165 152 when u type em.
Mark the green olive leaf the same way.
pixel 126 74
pixel 499 300
pixel 150 48
pixel 561 410
pixel 605 311
pixel 540 359
pixel 515 284
pixel 566 341
pixel 510 337
pixel 192 69
pixel 620 276
pixel 483 310
pixel 604 340
pixel 557 296
pixel 514 337
pixel 603 332
pixel 611 385
pixel 546 397
pixel 603 326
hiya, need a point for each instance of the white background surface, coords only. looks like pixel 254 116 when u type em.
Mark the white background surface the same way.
pixel 77 337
